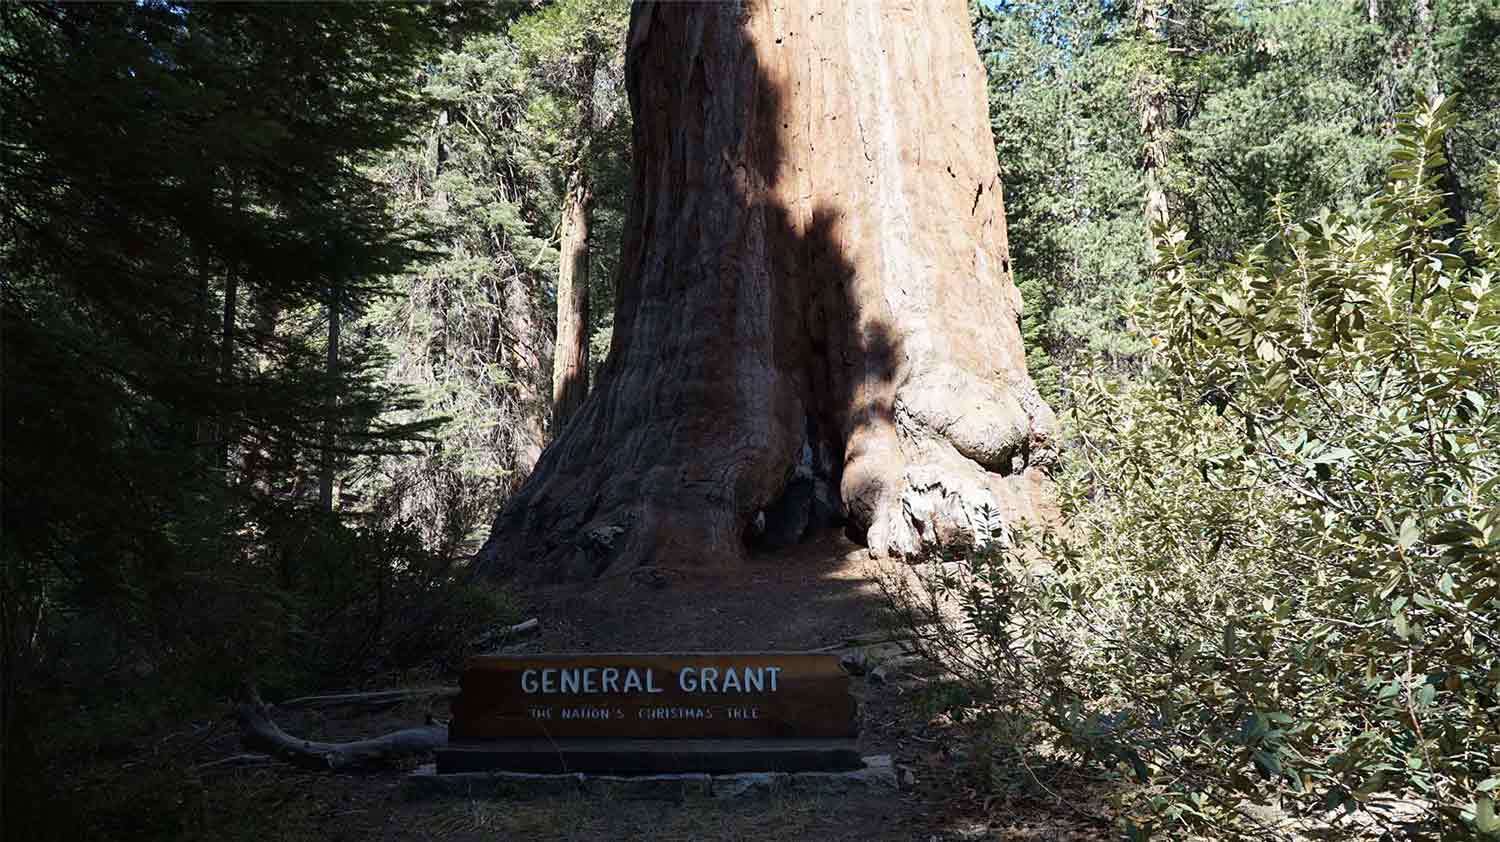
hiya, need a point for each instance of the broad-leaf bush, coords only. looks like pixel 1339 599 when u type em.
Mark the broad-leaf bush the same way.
pixel 1279 580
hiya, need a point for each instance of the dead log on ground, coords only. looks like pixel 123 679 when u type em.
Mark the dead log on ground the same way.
pixel 499 639
pixel 258 731
pixel 523 627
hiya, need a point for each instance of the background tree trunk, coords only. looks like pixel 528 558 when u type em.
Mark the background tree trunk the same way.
pixel 203 429
pixel 522 342
pixel 570 361
pixel 1152 95
pixel 439 159
pixel 815 318
pixel 225 432
pixel 329 464
pixel 1453 190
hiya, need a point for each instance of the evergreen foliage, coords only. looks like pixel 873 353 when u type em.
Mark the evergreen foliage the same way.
pixel 1279 583
pixel 1260 100
pixel 1066 137
pixel 572 56
pixel 185 194
pixel 470 330
pixel 578 122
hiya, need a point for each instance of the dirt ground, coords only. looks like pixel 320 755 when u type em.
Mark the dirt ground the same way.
pixel 816 596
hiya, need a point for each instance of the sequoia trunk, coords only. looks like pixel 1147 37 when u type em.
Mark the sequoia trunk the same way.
pixel 815 320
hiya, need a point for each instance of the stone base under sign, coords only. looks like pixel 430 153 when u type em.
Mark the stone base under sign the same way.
pixel 636 756
pixel 875 772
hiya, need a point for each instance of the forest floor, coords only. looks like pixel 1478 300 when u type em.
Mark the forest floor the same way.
pixel 813 596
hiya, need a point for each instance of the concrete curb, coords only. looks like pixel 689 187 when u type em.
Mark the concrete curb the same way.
pixel 878 773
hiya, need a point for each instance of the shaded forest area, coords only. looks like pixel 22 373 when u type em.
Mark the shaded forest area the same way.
pixel 295 296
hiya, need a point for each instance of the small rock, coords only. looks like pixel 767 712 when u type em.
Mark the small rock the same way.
pixel 856 662
pixel 749 784
pixel 652 577
pixel 878 773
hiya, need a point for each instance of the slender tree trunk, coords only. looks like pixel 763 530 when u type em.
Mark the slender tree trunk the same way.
pixel 226 334
pixel 256 457
pixel 570 356
pixel 440 159
pixel 1422 10
pixel 570 360
pixel 815 317
pixel 202 428
pixel 1386 81
pixel 1432 89
pixel 202 307
pixel 329 465
pixel 267 313
pixel 524 346
pixel 1152 95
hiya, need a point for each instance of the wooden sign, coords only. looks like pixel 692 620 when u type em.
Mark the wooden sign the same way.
pixel 655 697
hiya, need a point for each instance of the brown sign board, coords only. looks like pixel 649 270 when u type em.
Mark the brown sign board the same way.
pixel 654 696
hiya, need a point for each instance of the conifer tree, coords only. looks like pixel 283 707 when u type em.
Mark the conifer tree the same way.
pixel 170 171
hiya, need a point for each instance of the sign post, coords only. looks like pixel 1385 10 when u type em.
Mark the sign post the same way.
pixel 701 712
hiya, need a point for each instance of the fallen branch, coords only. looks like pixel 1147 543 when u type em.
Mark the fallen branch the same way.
pixel 500 638
pixel 523 627
pixel 258 731
pixel 374 699
pixel 875 639
pixel 235 761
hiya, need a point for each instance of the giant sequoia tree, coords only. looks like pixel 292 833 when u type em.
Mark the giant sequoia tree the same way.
pixel 815 317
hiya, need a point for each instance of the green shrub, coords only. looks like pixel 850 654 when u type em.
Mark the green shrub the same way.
pixel 1280 577
pixel 307 602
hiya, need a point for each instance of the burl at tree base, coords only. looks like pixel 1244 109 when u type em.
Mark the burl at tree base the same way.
pixel 815 319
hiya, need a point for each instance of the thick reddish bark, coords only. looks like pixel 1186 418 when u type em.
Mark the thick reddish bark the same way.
pixel 528 361
pixel 815 319
pixel 570 361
